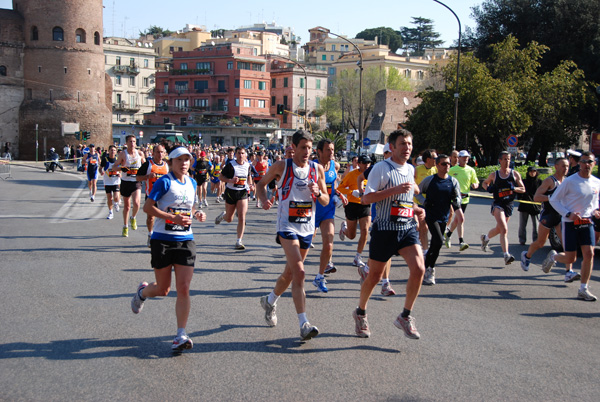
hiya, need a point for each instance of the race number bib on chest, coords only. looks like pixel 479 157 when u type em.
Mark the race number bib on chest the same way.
pixel 505 192
pixel 402 211
pixel 132 172
pixel 241 182
pixel 300 211
pixel 172 226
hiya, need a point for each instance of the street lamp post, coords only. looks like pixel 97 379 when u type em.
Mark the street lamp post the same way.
pixel 456 94
pixel 305 87
pixel 360 66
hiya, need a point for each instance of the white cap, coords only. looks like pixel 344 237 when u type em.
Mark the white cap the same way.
pixel 177 152
pixel 463 153
pixel 574 153
pixel 420 161
pixel 386 148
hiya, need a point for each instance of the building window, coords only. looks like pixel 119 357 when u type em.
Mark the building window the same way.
pixel 58 34
pixel 203 66
pixel 145 82
pixel 119 98
pixel 407 73
pixel 331 58
pixel 285 101
pixel 236 84
pixel 201 102
pixel 285 82
pixel 285 118
pixel 247 84
pixel 181 104
pixel 301 102
pixel 221 86
pixel 65 70
pixel 34 33
pixel 242 65
pixel 146 63
pixel 261 104
pixel 420 75
pixel 181 86
pixel 183 66
pixel 80 36
pixel 262 85
pixel 258 67
pixel 180 49
pixel 237 102
pixel 171 49
pixel 324 57
pixel 132 101
pixel 132 81
pixel 96 38
pixel 318 84
pixel 273 82
pixel 230 65
pixel 331 70
pixel 333 48
pixel 131 62
pixel 117 80
pixel 118 61
pixel 3 71
pixel 301 82
pixel 273 100
pixel 200 86
pixel 318 103
pixel 246 102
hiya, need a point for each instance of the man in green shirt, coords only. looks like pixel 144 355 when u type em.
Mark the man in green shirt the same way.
pixel 467 178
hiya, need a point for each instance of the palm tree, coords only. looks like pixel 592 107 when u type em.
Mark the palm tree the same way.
pixel 338 139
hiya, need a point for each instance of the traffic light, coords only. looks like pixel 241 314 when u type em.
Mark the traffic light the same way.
pixel 280 109
pixel 85 135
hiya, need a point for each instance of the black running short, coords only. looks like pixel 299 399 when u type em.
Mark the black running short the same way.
pixel 129 187
pixel 356 211
pixel 165 254
pixel 111 189
pixel 233 196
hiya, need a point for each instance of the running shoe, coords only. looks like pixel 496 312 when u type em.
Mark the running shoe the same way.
pixel 125 232
pixel 330 268
pixel 320 284
pixel 408 326
pixel 220 218
pixel 484 243
pixel 361 325
pixel 571 276
pixel 116 207
pixel 525 261
pixel 447 241
pixel 270 316
pixel 181 343
pixel 363 272
pixel 133 222
pixel 463 246
pixel 206 202
pixel 137 304
pixel 343 231
pixel 586 295
pixel 429 277
pixel 308 331
pixel 149 238
pixel 508 259
pixel 218 200
pixel 92 198
pixel 239 245
pixel 110 214
pixel 358 262
pixel 312 245
pixel 386 289
pixel 549 261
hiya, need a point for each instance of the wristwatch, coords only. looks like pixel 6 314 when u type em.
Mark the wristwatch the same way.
pixel 567 215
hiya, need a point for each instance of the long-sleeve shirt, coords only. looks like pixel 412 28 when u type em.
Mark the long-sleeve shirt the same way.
pixel 441 194
pixel 576 194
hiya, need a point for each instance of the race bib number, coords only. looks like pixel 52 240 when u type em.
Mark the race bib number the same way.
pixel 172 226
pixel 113 174
pixel 582 223
pixel 300 211
pixel 241 182
pixel 202 172
pixel 402 211
pixel 132 172
pixel 505 192
pixel 93 161
pixel 329 185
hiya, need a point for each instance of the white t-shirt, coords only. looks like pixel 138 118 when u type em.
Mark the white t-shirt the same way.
pixel 576 194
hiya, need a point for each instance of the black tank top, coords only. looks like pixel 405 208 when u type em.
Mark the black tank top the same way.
pixel 504 192
pixel 548 209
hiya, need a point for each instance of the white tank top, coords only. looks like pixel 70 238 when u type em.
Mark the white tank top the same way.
pixel 296 212
pixel 111 178
pixel 132 163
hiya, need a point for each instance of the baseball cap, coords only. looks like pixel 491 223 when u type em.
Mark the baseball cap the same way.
pixel 420 161
pixel 574 153
pixel 177 152
pixel 364 159
pixel 202 154
pixel 386 148
pixel 463 153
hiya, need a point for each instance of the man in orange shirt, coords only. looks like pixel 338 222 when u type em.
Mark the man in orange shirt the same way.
pixel 355 211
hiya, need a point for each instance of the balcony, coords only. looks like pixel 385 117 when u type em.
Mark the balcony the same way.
pixel 125 107
pixel 193 71
pixel 192 91
pixel 132 69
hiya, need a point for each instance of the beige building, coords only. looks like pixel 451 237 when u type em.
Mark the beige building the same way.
pixel 131 67
pixel 188 39
pixel 263 43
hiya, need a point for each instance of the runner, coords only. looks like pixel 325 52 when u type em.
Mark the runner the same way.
pixel 171 201
pixel 112 180
pixel 357 214
pixel 467 178
pixel 391 186
pixel 92 161
pixel 549 218
pixel 324 219
pixel 503 183
pixel 260 166
pixel 301 184
pixel 576 200
pixel 215 183
pixel 427 168
pixel 353 165
pixel 237 177
pixel 201 169
pixel 443 192
pixel 150 172
pixel 130 160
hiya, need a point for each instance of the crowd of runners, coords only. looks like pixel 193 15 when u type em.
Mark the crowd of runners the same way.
pixel 393 207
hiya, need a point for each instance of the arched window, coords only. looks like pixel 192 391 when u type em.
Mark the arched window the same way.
pixel 80 36
pixel 3 71
pixel 34 33
pixel 58 34
pixel 96 38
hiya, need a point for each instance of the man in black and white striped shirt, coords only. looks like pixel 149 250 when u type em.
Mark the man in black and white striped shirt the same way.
pixel 391 186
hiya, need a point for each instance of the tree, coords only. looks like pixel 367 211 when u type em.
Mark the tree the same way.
pixel 421 37
pixel 156 32
pixel 338 139
pixel 386 36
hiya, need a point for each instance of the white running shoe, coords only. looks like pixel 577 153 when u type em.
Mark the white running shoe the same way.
pixel 571 276
pixel 270 311
pixel 586 295
pixel 484 243
pixel 549 261
pixel 358 262
pixel 137 304
pixel 308 331
pixel 429 278
pixel 343 231
pixel 525 261
pixel 116 207
pixel 181 343
pixel 220 218
pixel 110 214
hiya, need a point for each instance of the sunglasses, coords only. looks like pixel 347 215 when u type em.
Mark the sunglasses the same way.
pixel 445 163
pixel 587 161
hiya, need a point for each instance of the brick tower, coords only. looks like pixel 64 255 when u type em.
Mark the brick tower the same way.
pixel 64 78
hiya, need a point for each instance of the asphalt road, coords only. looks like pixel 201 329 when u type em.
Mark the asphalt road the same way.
pixel 488 332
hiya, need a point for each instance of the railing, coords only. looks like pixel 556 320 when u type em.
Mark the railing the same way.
pixel 201 71
pixel 134 70
pixel 192 91
pixel 125 106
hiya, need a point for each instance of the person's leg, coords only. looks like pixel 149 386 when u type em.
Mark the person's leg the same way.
pixel 376 269
pixel 523 227
pixel 327 233
pixel 109 200
pixel 364 224
pixel 162 286
pixel 543 233
pixel 351 227
pixel 534 226
pixel 150 223
pixel 242 208
pixel 500 229
pixel 294 273
pixel 126 209
pixel 183 278
pixel 229 211
pixel 135 202
pixel 437 238
pixel 94 187
pixel 416 266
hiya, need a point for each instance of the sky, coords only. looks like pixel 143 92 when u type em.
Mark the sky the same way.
pixel 129 17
